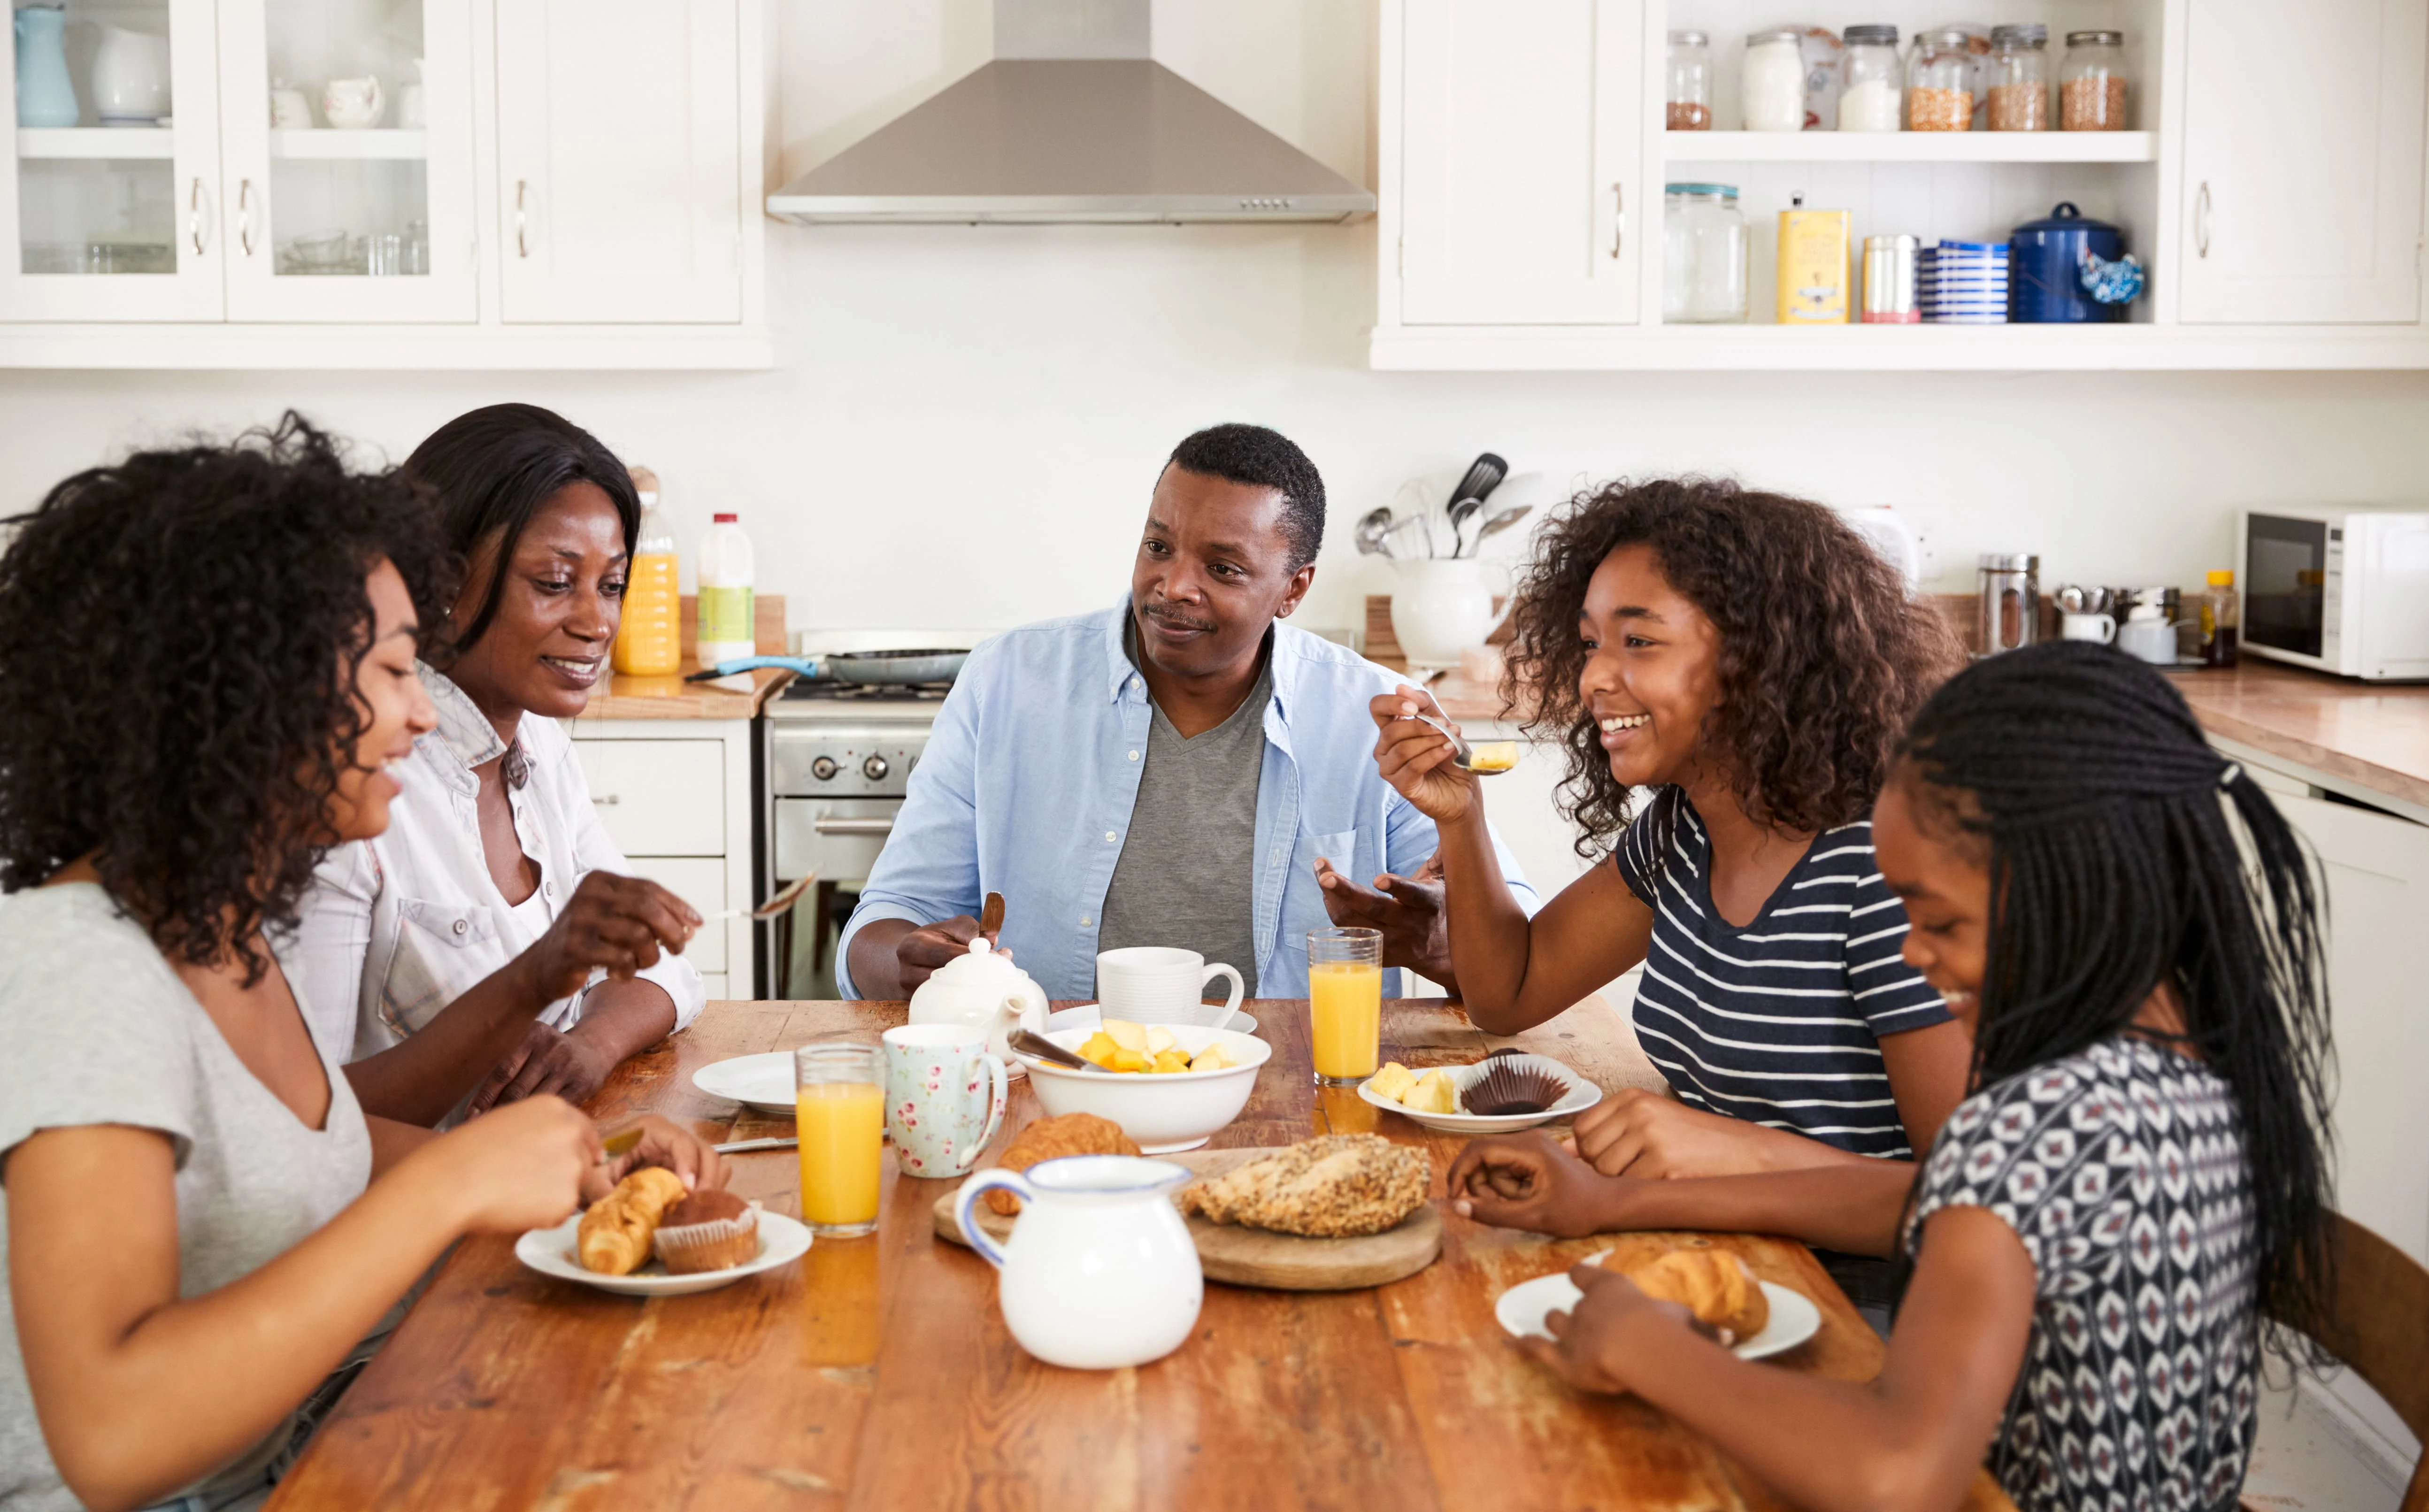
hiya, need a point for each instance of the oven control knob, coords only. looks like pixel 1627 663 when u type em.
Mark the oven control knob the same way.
pixel 875 768
pixel 824 768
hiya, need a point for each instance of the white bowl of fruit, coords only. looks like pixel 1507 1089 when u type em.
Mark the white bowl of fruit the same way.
pixel 1169 1086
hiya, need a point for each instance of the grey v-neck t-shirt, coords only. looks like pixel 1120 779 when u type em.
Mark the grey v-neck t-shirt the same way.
pixel 1187 874
pixel 100 1030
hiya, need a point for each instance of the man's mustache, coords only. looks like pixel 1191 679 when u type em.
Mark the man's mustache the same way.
pixel 1176 620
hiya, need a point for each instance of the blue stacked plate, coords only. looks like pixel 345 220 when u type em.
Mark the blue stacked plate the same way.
pixel 1963 283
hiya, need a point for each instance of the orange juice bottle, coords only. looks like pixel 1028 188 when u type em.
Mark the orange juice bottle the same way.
pixel 649 640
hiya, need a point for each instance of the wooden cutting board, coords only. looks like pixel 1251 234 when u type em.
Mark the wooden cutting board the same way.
pixel 1254 1257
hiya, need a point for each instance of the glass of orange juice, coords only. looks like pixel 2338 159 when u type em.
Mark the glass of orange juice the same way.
pixel 1345 989
pixel 840 1103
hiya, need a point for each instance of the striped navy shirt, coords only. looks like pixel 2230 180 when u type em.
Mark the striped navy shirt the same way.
pixel 1779 1022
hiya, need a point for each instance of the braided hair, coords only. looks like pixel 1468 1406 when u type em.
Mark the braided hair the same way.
pixel 2079 778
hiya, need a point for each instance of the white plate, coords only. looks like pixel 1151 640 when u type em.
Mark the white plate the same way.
pixel 1086 1016
pixel 1582 1096
pixel 1523 1307
pixel 763 1081
pixel 551 1252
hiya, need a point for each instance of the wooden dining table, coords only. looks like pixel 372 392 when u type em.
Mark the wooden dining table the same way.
pixel 877 1373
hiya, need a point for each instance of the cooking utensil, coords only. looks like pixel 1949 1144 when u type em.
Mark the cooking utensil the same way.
pixel 1047 1050
pixel 1503 520
pixel 781 903
pixel 1484 476
pixel 1465 513
pixel 1461 752
pixel 1372 527
pixel 861 668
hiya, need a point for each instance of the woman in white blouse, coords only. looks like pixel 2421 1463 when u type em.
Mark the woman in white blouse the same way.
pixel 487 947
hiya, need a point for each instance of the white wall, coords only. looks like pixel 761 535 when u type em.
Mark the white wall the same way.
pixel 966 420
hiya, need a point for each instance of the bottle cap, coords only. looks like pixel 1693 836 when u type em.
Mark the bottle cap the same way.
pixel 2222 578
pixel 728 520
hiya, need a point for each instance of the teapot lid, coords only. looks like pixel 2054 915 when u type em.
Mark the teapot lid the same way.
pixel 2066 217
pixel 980 962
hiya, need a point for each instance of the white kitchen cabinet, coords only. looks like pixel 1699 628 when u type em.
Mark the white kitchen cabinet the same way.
pixel 675 796
pixel 657 796
pixel 619 152
pixel 1522 193
pixel 2303 161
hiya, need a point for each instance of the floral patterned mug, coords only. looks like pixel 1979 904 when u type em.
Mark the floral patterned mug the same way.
pixel 945 1096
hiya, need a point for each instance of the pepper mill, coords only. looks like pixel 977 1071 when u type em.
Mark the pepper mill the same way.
pixel 2012 600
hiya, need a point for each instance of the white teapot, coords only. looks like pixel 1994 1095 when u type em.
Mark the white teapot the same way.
pixel 1106 1221
pixel 983 990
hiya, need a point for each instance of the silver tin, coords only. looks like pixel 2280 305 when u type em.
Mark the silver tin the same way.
pixel 1890 281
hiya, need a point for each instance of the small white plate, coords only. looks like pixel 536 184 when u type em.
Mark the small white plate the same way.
pixel 762 1081
pixel 1582 1096
pixel 1523 1308
pixel 551 1252
pixel 1088 1016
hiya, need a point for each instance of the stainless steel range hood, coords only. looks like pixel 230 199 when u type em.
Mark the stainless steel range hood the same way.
pixel 1072 122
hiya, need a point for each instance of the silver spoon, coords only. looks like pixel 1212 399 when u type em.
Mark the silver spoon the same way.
pixel 1503 520
pixel 1372 527
pixel 1031 1044
pixel 1462 755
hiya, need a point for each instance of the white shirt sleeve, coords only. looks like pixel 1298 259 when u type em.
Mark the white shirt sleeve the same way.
pixel 331 941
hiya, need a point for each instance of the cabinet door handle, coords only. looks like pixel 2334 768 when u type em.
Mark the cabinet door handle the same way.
pixel 852 827
pixel 606 800
pixel 1618 220
pixel 244 215
pixel 522 244
pixel 2200 221
pixel 194 217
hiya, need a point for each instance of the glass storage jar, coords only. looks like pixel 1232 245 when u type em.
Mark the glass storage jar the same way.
pixel 2092 83
pixel 1940 81
pixel 1871 91
pixel 2019 77
pixel 1689 90
pixel 1771 83
pixel 1704 254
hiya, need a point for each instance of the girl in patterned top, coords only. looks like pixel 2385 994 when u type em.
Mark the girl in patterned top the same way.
pixel 1751 660
pixel 2138 1181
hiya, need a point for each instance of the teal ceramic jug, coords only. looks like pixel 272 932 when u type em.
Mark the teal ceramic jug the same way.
pixel 44 96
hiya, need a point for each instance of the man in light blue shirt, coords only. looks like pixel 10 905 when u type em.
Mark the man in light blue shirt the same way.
pixel 1166 771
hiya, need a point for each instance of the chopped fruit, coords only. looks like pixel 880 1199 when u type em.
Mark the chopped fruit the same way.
pixel 1493 756
pixel 1128 1035
pixel 1128 1060
pixel 1170 1060
pixel 1434 1092
pixel 1159 1040
pixel 1392 1081
pixel 1214 1057
pixel 1099 1049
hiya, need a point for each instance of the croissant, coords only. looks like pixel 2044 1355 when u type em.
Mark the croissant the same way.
pixel 1050 1138
pixel 614 1238
pixel 1713 1285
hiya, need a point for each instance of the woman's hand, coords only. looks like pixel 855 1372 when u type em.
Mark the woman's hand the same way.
pixel 619 923
pixel 1589 1347
pixel 669 1144
pixel 1529 1181
pixel 1415 758
pixel 1640 1133
pixel 520 1167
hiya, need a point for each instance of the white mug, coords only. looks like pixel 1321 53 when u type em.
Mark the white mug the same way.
pixel 290 110
pixel 2153 640
pixel 945 1096
pixel 1156 984
pixel 2093 627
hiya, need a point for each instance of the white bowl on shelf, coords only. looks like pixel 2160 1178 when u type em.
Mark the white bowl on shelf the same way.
pixel 1176 1110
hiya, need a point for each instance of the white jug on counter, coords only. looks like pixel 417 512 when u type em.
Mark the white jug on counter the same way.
pixel 985 992
pixel 1443 606
pixel 1101 1271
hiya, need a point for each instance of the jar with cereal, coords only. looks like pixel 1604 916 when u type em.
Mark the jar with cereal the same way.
pixel 1940 81
pixel 2092 83
pixel 2019 77
pixel 1689 86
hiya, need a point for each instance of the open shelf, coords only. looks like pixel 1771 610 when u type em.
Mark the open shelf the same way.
pixel 1909 146
pixel 119 143
pixel 333 143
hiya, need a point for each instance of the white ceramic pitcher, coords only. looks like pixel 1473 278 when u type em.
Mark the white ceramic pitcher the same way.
pixel 1443 606
pixel 1099 1271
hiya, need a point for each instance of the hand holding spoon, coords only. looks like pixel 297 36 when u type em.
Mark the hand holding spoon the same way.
pixel 1490 758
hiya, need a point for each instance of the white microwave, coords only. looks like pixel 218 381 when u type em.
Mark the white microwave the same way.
pixel 2341 589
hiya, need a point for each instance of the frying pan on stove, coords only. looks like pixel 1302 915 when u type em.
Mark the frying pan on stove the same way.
pixel 862 668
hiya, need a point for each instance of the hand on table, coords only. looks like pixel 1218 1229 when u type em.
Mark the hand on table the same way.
pixel 1415 758
pixel 1589 1342
pixel 618 923
pixel 1408 910
pixel 1639 1133
pixel 1530 1181
pixel 919 953
pixel 672 1146
pixel 549 1062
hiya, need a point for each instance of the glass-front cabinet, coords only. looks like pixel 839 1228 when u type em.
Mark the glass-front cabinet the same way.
pixel 348 169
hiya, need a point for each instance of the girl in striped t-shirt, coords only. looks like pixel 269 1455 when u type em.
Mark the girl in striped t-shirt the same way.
pixel 1752 660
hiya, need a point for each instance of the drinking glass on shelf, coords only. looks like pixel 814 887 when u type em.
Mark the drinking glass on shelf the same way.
pixel 386 254
pixel 1345 989
pixel 840 1107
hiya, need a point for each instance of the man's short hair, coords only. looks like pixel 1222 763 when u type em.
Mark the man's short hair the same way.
pixel 1258 458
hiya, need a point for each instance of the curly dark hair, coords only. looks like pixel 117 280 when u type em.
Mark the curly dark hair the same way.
pixel 178 638
pixel 1258 458
pixel 1824 655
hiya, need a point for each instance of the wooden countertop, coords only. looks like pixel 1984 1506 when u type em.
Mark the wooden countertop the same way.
pixel 878 1373
pixel 671 698
pixel 2368 737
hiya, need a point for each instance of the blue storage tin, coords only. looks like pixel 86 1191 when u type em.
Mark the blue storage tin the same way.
pixel 2046 262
